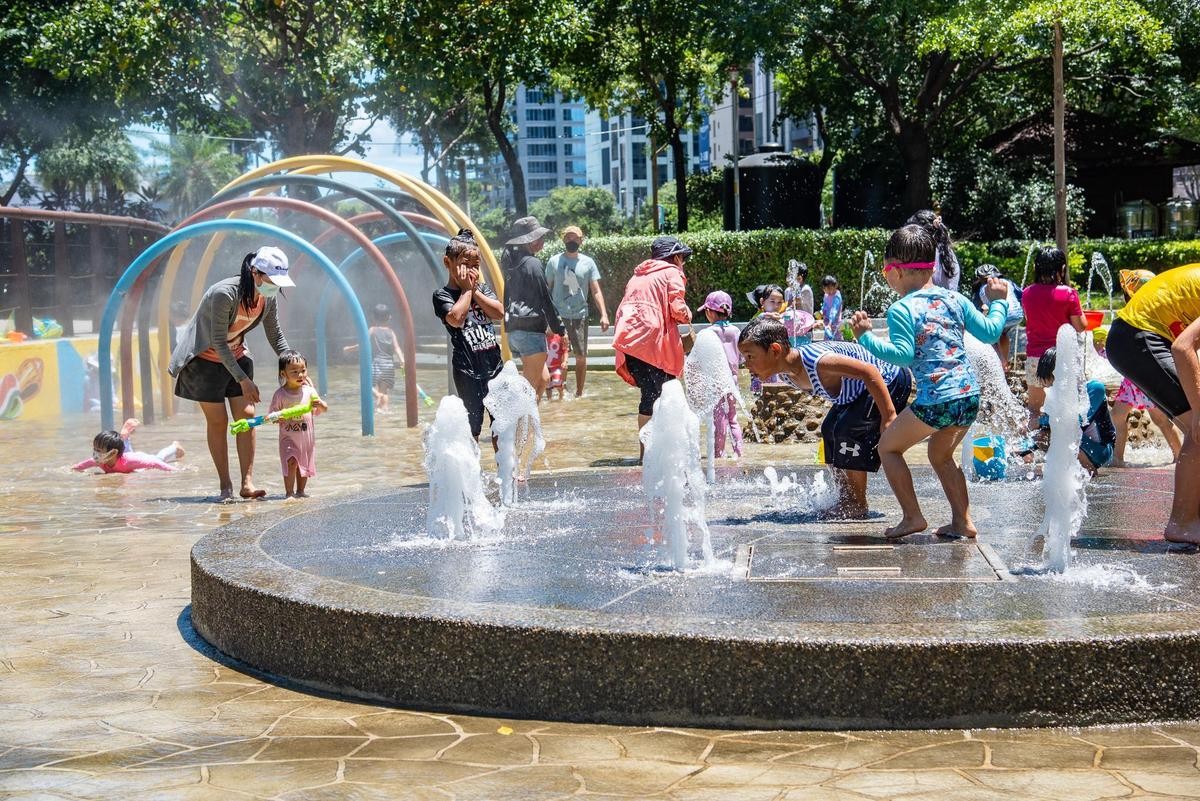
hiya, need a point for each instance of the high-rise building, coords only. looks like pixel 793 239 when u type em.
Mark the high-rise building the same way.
pixel 759 120
pixel 618 157
pixel 549 142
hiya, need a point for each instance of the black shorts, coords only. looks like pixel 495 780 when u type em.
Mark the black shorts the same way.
pixel 209 382
pixel 649 380
pixel 472 391
pixel 1144 357
pixel 850 432
pixel 577 335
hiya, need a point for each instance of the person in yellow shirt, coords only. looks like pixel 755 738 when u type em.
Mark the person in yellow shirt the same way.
pixel 1153 343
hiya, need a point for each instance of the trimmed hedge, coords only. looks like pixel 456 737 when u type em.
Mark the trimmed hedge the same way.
pixel 737 262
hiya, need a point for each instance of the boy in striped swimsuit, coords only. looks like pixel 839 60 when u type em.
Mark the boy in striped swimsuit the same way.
pixel 867 394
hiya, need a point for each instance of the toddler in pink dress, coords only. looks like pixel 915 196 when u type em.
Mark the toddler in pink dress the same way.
pixel 298 435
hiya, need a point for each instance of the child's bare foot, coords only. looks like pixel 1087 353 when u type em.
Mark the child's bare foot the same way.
pixel 958 529
pixel 1189 533
pixel 226 495
pixel 249 492
pixel 179 451
pixel 906 526
pixel 301 494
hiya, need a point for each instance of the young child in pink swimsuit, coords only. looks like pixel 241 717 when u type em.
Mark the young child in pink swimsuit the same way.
pixel 298 436
pixel 112 452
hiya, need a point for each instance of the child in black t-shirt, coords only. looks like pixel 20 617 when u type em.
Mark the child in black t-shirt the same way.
pixel 467 307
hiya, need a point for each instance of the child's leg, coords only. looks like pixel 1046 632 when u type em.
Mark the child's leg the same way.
pixel 719 425
pixel 942 447
pixel 901 435
pixel 289 478
pixel 1160 419
pixel 852 491
pixel 1184 523
pixel 301 483
pixel 735 428
pixel 171 453
pixel 1120 418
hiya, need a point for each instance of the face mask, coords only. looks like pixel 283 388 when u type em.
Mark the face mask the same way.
pixel 572 247
pixel 267 289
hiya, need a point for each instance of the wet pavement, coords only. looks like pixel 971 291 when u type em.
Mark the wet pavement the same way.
pixel 105 694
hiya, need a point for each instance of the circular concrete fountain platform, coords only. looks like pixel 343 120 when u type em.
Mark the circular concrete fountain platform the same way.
pixel 803 624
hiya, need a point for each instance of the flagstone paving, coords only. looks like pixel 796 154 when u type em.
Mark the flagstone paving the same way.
pixel 105 693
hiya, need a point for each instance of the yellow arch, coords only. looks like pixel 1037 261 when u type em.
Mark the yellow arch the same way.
pixel 444 209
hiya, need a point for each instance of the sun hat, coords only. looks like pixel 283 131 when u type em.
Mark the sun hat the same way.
pixel 273 263
pixel 664 247
pixel 802 321
pixel 1133 280
pixel 572 231
pixel 718 301
pixel 526 230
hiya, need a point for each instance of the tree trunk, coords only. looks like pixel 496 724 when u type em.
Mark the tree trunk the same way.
pixel 679 155
pixel 1060 144
pixel 18 179
pixel 918 165
pixel 493 105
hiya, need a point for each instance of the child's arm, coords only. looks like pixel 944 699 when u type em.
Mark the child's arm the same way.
pixel 457 315
pixel 319 406
pixel 901 346
pixel 486 300
pixel 847 367
pixel 986 328
pixel 85 464
pixel 350 349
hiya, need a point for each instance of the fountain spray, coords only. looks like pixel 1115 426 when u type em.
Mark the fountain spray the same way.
pixel 708 379
pixel 458 505
pixel 1064 477
pixel 671 476
pixel 512 403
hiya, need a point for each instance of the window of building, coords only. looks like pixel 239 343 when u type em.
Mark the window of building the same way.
pixel 537 96
pixel 605 165
pixel 572 131
pixel 578 180
pixel 745 124
pixel 542 150
pixel 542 184
pixel 567 115
pixel 572 166
pixel 696 146
pixel 539 114
pixel 639 161
pixel 662 174
pixel 604 125
pixel 544 167
pixel 568 149
pixel 541 132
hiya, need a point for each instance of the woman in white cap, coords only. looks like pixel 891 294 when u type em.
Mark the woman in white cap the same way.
pixel 211 365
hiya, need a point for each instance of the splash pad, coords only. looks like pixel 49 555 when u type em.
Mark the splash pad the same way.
pixel 571 614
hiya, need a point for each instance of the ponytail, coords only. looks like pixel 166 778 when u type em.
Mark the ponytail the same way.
pixel 246 288
pixel 932 223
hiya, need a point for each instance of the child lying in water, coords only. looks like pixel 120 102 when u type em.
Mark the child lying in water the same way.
pixel 113 452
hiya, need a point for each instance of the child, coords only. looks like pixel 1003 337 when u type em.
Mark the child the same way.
pixel 1099 434
pixel 769 300
pixel 556 363
pixel 1129 397
pixel 1013 300
pixel 925 328
pixel 1048 303
pixel 113 452
pixel 384 347
pixel 799 294
pixel 297 436
pixel 717 308
pixel 831 308
pixel 467 306
pixel 867 394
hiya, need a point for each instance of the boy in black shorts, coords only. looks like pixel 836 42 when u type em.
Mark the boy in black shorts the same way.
pixel 867 394
pixel 467 306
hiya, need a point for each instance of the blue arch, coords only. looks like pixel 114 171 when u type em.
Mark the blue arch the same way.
pixel 147 257
pixel 323 303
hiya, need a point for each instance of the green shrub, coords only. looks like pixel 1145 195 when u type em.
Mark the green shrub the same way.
pixel 739 261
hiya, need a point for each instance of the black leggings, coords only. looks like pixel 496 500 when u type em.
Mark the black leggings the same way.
pixel 1144 357
pixel 649 380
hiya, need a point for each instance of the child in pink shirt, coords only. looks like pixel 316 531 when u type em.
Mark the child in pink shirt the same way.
pixel 113 452
pixel 717 308
pixel 297 436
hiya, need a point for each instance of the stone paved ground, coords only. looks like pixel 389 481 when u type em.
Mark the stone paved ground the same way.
pixel 102 695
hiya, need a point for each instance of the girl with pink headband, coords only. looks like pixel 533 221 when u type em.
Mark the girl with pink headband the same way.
pixel 925 330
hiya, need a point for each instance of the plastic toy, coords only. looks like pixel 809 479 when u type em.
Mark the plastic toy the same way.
pixel 290 413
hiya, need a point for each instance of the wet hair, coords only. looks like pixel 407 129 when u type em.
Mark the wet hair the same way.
pixel 461 244
pixel 910 243
pixel 762 331
pixel 380 314
pixel 829 280
pixel 1045 365
pixel 764 291
pixel 246 288
pixel 932 223
pixel 1048 265
pixel 291 357
pixel 109 441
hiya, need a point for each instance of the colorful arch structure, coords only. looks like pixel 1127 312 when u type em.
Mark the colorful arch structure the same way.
pixel 168 243
pixel 323 304
pixel 335 223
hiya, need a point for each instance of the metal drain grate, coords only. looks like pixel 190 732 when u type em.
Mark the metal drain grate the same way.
pixel 962 561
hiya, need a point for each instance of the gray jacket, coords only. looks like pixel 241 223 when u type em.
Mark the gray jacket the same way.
pixel 209 328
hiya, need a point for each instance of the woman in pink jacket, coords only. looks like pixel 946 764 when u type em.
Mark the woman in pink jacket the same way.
pixel 646 337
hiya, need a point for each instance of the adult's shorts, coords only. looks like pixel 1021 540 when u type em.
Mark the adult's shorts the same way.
pixel 1144 357
pixel 850 431
pixel 577 334
pixel 209 382
pixel 527 343
pixel 649 379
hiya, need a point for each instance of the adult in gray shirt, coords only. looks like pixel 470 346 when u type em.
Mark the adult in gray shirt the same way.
pixel 572 276
pixel 211 365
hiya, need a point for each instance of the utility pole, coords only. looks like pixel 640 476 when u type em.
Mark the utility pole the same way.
pixel 737 175
pixel 1060 143
pixel 652 165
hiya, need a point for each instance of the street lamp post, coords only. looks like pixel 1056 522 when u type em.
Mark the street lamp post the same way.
pixel 737 176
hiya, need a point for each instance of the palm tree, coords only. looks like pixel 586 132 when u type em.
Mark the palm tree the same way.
pixel 197 166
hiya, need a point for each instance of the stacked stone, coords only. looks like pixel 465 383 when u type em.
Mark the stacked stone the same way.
pixel 786 414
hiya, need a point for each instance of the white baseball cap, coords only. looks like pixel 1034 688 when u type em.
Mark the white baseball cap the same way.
pixel 273 263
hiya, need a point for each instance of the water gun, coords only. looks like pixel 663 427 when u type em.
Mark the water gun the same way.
pixel 290 413
pixel 425 399
pixel 848 332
